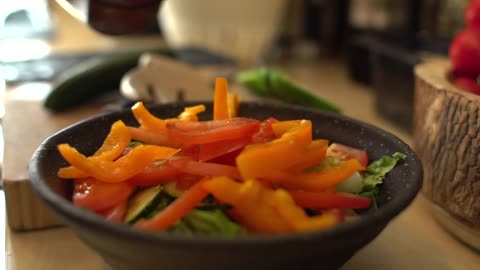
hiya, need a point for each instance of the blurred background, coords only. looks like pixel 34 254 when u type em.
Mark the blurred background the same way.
pixel 378 41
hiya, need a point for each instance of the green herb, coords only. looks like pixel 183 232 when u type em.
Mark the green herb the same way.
pixel 375 173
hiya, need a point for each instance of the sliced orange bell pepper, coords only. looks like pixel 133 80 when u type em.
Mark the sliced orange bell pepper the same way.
pixel 250 204
pixel 313 155
pixel 260 160
pixel 190 113
pixel 220 104
pixel 147 120
pixel 176 210
pixel 233 104
pixel 318 181
pixel 299 131
pixel 296 216
pixel 264 210
pixel 120 170
pixel 113 146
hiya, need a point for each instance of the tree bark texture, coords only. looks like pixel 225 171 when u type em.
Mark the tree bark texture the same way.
pixel 447 140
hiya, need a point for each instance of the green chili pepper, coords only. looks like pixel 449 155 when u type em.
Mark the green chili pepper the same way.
pixel 272 83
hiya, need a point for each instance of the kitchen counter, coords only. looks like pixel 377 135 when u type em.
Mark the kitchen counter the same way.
pixel 413 240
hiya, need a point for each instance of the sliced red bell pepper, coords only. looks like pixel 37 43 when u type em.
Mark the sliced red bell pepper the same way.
pixel 155 175
pixel 213 150
pixel 316 200
pixel 212 131
pixel 189 166
pixel 176 210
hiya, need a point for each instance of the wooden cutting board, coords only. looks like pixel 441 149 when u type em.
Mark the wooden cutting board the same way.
pixel 27 124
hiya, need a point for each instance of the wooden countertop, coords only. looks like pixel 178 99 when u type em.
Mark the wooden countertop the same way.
pixel 411 241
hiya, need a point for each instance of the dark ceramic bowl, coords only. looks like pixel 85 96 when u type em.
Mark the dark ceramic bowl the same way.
pixel 123 247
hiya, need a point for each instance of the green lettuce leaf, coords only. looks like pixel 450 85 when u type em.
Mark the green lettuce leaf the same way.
pixel 205 222
pixel 375 173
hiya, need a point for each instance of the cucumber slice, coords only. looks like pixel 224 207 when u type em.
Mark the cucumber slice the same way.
pixel 171 189
pixel 354 184
pixel 142 203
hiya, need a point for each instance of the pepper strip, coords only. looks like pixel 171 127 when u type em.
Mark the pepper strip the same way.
pixel 176 210
pixel 147 120
pixel 263 160
pixel 190 113
pixel 313 155
pixel 220 103
pixel 263 209
pixel 120 170
pixel 322 200
pixel 296 216
pixel 113 146
pixel 250 204
pixel 318 181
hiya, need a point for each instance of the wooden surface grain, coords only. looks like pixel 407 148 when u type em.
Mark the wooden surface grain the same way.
pixel 413 240
pixel 25 125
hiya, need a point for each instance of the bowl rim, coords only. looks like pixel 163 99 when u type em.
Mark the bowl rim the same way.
pixel 382 215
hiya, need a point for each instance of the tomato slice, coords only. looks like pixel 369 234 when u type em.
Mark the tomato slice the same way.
pixel 203 132
pixel 117 213
pixel 265 133
pixel 346 152
pixel 155 175
pixel 190 166
pixel 97 195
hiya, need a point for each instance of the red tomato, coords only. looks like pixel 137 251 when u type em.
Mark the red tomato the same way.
pixel 472 14
pixel 97 196
pixel 464 52
pixel 203 132
pixel 155 175
pixel 190 166
pixel 346 152
pixel 117 213
pixel 467 84
pixel 265 133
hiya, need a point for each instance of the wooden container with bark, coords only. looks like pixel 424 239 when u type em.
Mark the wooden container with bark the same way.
pixel 447 140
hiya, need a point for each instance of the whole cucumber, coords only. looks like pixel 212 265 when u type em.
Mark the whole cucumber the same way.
pixel 91 78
